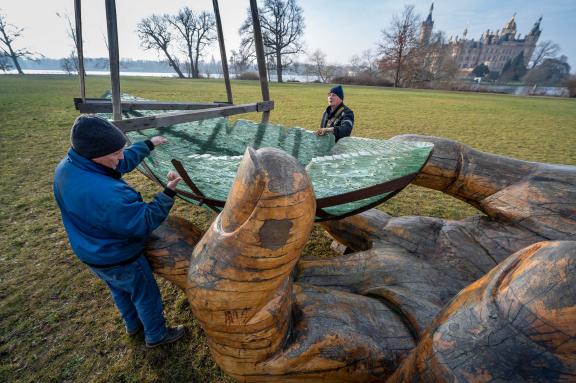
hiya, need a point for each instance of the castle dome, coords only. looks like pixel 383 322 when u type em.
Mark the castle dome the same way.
pixel 510 26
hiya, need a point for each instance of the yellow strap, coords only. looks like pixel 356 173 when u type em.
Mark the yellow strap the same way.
pixel 336 115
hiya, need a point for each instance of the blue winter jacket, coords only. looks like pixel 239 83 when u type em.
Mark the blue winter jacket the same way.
pixel 106 220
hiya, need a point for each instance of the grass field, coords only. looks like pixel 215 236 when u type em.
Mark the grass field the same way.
pixel 57 321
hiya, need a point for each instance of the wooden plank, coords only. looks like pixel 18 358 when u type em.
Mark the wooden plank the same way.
pixel 223 58
pixel 264 106
pixel 105 105
pixel 114 55
pixel 139 123
pixel 79 47
pixel 260 57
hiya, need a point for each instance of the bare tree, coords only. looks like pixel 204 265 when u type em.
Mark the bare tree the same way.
pixel 319 66
pixel 70 64
pixel 4 62
pixel 198 31
pixel 154 33
pixel 369 60
pixel 282 24
pixel 356 63
pixel 545 49
pixel 241 60
pixel 104 62
pixel 8 34
pixel 214 68
pixel 550 71
pixel 400 43
pixel 366 62
pixel 432 61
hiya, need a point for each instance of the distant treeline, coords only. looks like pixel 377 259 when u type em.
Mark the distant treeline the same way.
pixel 101 63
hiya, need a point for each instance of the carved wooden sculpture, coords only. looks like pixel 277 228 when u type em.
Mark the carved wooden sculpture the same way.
pixel 385 312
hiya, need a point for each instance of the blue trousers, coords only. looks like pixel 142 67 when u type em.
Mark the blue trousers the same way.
pixel 137 297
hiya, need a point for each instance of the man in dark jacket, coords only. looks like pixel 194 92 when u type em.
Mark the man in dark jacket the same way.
pixel 107 221
pixel 337 119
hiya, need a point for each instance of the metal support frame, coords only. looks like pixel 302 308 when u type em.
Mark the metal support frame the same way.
pixel 223 58
pixel 260 57
pixel 162 121
pixel 112 25
pixel 199 110
pixel 99 105
pixel 79 47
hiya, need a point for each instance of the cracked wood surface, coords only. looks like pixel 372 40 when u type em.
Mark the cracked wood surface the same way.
pixel 515 324
pixel 420 300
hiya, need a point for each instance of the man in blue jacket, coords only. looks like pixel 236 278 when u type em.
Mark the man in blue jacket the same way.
pixel 337 119
pixel 107 221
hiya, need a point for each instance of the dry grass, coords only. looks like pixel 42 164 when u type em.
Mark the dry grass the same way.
pixel 57 321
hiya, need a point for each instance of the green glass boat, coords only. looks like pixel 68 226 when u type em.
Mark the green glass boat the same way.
pixel 348 177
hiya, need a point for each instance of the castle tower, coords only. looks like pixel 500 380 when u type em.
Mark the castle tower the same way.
pixel 509 30
pixel 426 28
pixel 531 40
pixel 535 31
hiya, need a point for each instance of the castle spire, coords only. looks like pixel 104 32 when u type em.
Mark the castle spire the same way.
pixel 536 27
pixel 535 31
pixel 429 18
pixel 510 27
pixel 426 28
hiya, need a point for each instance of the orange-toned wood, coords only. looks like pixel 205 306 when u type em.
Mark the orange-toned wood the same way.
pixel 393 310
pixel 515 324
pixel 170 248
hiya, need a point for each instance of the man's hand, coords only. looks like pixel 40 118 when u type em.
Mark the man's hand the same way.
pixel 158 140
pixel 173 178
pixel 323 131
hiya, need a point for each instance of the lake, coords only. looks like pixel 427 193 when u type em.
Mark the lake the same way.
pixel 273 77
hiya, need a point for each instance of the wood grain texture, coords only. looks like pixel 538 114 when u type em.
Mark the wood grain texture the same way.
pixel 113 57
pixel 98 105
pixel 538 197
pixel 524 203
pixel 419 299
pixel 515 324
pixel 239 283
pixel 168 119
pixel 169 249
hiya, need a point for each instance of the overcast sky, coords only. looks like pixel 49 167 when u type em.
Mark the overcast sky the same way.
pixel 340 28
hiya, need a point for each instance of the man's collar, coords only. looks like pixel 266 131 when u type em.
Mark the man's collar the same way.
pixel 337 106
pixel 112 172
pixel 88 164
pixel 331 111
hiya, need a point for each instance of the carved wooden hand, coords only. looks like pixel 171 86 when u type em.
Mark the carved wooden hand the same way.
pixel 384 312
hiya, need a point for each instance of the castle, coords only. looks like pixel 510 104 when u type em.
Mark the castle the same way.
pixel 493 49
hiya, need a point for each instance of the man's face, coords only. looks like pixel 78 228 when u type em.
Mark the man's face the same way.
pixel 334 100
pixel 110 160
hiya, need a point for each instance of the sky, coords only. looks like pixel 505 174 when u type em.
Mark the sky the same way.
pixel 339 28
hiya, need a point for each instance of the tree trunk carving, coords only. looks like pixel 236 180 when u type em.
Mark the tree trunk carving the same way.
pixel 420 300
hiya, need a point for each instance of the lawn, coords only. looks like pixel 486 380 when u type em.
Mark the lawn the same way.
pixel 57 321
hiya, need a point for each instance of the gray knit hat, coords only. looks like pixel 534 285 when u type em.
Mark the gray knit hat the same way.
pixel 93 137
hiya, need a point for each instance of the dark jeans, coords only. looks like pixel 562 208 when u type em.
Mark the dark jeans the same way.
pixel 137 297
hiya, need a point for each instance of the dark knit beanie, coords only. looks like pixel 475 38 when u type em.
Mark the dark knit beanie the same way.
pixel 338 91
pixel 94 137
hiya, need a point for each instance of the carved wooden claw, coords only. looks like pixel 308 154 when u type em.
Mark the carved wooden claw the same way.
pixel 392 310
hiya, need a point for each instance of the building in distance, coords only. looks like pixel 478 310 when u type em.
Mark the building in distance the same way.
pixel 493 49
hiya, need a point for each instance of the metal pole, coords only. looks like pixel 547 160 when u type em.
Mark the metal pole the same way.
pixel 260 58
pixel 222 51
pixel 114 58
pixel 81 72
